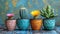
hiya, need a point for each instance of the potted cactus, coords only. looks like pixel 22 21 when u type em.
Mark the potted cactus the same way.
pixel 23 23
pixel 49 21
pixel 35 22
pixel 10 22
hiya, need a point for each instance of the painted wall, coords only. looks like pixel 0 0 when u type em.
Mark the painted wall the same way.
pixel 13 6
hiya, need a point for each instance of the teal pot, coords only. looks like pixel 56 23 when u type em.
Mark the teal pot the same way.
pixel 23 24
pixel 49 24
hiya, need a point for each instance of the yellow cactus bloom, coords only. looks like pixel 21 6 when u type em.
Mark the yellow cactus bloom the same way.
pixel 35 13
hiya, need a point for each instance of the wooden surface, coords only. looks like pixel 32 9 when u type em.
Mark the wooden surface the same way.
pixel 55 31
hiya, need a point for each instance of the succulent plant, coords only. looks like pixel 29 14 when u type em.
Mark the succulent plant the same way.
pixel 47 12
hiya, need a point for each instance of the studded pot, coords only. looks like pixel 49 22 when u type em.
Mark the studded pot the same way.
pixel 23 24
pixel 10 24
pixel 36 24
pixel 49 24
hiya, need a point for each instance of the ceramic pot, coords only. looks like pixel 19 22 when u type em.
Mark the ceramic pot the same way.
pixel 36 24
pixel 10 24
pixel 49 24
pixel 23 24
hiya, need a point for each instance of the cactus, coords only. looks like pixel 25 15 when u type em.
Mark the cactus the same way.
pixel 47 12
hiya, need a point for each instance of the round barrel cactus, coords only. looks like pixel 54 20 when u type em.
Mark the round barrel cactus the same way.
pixel 24 13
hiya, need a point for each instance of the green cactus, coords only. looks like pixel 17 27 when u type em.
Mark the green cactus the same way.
pixel 47 12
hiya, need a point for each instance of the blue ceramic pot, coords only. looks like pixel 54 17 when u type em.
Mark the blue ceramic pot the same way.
pixel 49 24
pixel 23 24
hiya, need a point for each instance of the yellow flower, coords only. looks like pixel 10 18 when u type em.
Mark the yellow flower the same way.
pixel 35 13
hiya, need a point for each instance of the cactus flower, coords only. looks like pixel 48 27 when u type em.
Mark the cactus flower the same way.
pixel 35 13
pixel 10 16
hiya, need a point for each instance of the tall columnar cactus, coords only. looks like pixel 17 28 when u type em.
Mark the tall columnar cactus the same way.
pixel 47 12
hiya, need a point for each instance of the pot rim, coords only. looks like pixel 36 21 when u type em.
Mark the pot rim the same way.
pixel 36 19
pixel 10 19
pixel 20 19
pixel 49 18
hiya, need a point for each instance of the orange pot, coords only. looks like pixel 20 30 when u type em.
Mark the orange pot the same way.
pixel 36 24
pixel 10 24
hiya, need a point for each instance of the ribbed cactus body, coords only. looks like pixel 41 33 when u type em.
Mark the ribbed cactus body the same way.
pixel 24 13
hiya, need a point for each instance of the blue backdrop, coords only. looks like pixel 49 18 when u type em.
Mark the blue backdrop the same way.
pixel 13 6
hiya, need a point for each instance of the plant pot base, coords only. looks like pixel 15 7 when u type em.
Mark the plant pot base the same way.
pixel 48 29
pixel 36 24
pixel 35 29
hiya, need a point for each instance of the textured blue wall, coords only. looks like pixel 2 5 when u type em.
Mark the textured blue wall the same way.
pixel 13 6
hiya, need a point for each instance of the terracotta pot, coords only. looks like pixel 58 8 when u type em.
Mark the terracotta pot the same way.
pixel 36 24
pixel 10 24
